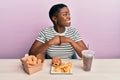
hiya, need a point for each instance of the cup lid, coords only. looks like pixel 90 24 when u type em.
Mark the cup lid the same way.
pixel 89 53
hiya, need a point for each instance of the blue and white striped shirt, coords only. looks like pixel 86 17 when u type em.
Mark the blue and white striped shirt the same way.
pixel 64 50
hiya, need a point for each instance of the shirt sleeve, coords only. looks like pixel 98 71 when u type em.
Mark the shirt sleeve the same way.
pixel 41 37
pixel 77 36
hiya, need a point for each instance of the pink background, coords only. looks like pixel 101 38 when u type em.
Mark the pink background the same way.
pixel 98 21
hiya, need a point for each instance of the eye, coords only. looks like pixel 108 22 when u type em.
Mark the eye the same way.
pixel 69 14
pixel 64 14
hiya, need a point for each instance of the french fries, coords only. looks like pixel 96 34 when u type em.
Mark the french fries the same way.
pixel 64 67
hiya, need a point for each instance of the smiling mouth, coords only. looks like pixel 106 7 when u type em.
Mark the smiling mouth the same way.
pixel 68 21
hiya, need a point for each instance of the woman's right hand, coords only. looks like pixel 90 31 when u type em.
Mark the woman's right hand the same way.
pixel 55 40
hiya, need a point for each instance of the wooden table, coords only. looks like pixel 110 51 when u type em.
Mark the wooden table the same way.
pixel 102 69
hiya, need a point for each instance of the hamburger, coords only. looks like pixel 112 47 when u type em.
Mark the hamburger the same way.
pixel 56 61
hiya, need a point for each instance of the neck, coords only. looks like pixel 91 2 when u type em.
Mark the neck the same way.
pixel 59 29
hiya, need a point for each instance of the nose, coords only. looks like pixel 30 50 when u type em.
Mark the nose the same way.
pixel 68 17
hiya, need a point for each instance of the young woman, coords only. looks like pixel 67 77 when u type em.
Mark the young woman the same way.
pixel 60 40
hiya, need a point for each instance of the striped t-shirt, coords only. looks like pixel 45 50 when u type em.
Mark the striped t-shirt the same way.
pixel 64 50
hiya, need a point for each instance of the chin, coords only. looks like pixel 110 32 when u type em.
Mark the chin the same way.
pixel 68 25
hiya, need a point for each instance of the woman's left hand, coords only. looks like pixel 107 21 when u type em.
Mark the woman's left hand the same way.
pixel 64 39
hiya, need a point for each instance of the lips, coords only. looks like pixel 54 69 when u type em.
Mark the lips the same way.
pixel 68 21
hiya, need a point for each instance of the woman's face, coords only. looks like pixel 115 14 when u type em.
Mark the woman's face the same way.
pixel 63 17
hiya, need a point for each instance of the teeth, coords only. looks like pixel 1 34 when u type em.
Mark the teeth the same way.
pixel 68 21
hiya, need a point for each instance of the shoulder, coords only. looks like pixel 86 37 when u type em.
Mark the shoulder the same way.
pixel 71 29
pixel 47 29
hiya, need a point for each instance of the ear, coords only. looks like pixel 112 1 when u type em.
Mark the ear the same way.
pixel 54 19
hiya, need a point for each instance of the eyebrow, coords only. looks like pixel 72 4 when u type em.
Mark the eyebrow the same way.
pixel 63 12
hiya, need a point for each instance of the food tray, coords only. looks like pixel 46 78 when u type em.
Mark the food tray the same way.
pixel 65 68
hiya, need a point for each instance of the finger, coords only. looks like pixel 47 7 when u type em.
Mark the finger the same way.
pixel 60 40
